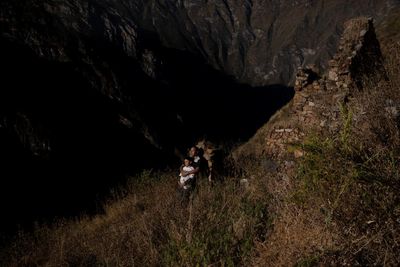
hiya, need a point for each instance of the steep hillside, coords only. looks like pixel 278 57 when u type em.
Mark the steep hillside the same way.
pixel 316 186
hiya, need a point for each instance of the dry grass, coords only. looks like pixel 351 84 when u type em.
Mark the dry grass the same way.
pixel 150 226
pixel 342 207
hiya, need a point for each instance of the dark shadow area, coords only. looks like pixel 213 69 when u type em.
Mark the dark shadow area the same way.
pixel 209 102
pixel 89 150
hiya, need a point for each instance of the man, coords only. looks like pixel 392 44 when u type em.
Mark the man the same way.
pixel 200 163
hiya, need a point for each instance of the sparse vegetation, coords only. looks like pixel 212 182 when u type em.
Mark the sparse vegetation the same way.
pixel 342 206
pixel 150 226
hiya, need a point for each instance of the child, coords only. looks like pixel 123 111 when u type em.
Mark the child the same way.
pixel 186 178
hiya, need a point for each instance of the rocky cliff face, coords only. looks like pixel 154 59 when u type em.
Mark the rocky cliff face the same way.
pixel 258 42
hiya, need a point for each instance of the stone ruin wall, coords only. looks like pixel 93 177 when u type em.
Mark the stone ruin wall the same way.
pixel 316 104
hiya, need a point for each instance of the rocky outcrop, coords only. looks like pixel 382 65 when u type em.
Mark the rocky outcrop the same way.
pixel 359 56
pixel 316 104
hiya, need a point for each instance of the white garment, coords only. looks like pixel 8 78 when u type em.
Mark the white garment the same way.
pixel 184 179
pixel 196 159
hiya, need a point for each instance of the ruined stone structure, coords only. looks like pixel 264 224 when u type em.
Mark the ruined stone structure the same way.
pixel 317 101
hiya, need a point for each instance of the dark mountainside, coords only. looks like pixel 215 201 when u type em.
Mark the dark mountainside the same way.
pixel 257 41
pixel 95 90
pixel 89 98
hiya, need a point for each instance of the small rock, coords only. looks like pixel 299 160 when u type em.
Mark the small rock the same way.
pixel 332 63
pixel 298 153
pixel 317 87
pixel 289 164
pixel 392 111
pixel 363 32
pixel 332 76
pixel 244 183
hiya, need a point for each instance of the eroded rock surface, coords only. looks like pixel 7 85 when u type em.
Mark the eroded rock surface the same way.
pixel 318 98
pixel 259 42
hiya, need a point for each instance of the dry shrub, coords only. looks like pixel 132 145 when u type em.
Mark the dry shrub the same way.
pixel 299 234
pixel 302 230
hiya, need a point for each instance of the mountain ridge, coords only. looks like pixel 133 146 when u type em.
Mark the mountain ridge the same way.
pixel 258 42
